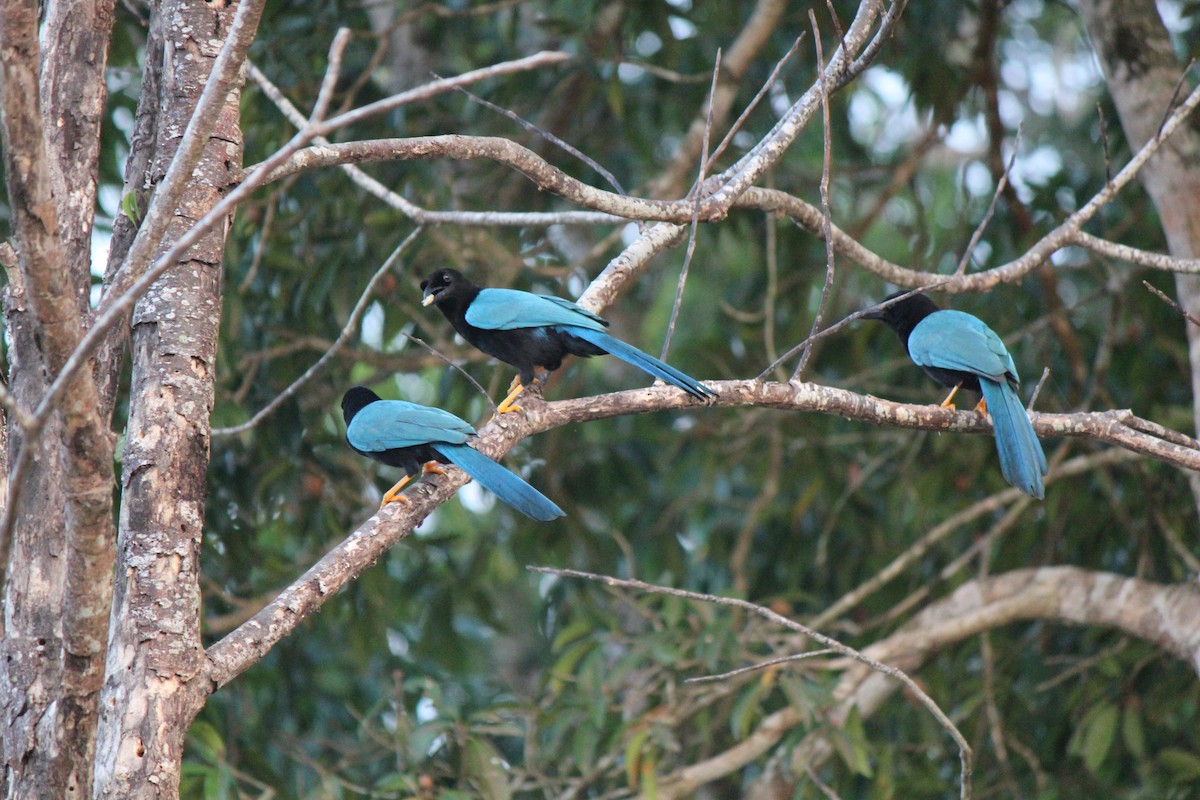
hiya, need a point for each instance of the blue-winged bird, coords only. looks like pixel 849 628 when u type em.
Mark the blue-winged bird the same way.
pixel 958 350
pixel 534 332
pixel 417 438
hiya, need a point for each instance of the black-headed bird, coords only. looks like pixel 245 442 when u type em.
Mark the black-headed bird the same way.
pixel 958 350
pixel 418 438
pixel 534 332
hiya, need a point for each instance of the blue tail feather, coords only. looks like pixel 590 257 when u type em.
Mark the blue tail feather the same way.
pixel 501 482
pixel 1021 458
pixel 643 361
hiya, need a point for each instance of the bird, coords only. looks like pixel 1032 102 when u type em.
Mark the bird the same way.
pixel 418 438
pixel 534 332
pixel 959 350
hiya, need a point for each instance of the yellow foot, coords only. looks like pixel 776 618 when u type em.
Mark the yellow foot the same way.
pixel 947 403
pixel 508 404
pixel 393 495
pixel 433 468
pixel 981 406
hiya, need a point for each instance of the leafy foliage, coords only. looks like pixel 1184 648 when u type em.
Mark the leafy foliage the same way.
pixel 449 670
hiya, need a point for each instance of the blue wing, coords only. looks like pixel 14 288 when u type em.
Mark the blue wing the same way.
pixel 643 361
pixel 388 424
pixel 507 309
pixel 957 340
pixel 500 482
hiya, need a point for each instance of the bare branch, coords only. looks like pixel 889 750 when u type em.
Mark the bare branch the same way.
pixel 826 212
pixel 1162 296
pixel 333 68
pixel 991 209
pixel 760 666
pixel 1133 255
pixel 250 641
pixel 1161 614
pixel 549 137
pixel 697 190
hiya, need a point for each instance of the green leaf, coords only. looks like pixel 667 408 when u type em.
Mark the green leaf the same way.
pixel 484 769
pixel 207 741
pixel 1100 730
pixel 572 632
pixel 851 743
pixel 746 709
pixel 1132 732
pixel 633 756
pixel 1184 766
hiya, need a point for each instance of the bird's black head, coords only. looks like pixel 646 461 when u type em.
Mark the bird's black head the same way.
pixel 904 315
pixel 445 285
pixel 355 399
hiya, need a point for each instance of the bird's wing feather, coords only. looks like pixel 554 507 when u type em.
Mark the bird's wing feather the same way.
pixel 643 361
pixel 957 340
pixel 387 424
pixel 508 309
pixel 502 483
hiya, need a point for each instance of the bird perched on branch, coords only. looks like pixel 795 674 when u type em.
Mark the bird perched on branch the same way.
pixel 417 438
pixel 534 332
pixel 958 350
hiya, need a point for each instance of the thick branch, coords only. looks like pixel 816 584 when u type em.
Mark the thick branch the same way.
pixel 248 643
pixel 1162 614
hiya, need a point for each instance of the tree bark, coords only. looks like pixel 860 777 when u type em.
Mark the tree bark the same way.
pixel 56 606
pixel 1144 78
pixel 155 651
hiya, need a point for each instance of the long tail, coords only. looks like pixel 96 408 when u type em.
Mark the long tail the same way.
pixel 1021 458
pixel 500 482
pixel 643 361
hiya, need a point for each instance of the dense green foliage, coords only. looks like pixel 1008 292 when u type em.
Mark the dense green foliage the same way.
pixel 449 670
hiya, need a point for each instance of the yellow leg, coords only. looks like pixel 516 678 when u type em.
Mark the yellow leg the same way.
pixel 433 468
pixel 393 495
pixel 507 405
pixel 947 402
pixel 981 406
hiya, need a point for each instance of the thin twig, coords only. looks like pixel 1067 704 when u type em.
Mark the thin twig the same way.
pixel 697 194
pixel 766 87
pixel 347 330
pixel 411 210
pixel 964 749
pixel 758 666
pixel 1159 294
pixel 1038 389
pixel 837 326
pixel 334 68
pixel 549 137
pixel 991 209
pixel 826 211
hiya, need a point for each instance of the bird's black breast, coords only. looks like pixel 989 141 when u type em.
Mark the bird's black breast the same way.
pixel 953 377
pixel 409 459
pixel 529 348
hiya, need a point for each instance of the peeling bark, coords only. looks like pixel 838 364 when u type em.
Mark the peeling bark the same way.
pixel 155 651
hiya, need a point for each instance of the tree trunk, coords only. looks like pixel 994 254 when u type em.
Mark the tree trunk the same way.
pixel 59 540
pixel 155 651
pixel 1143 76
